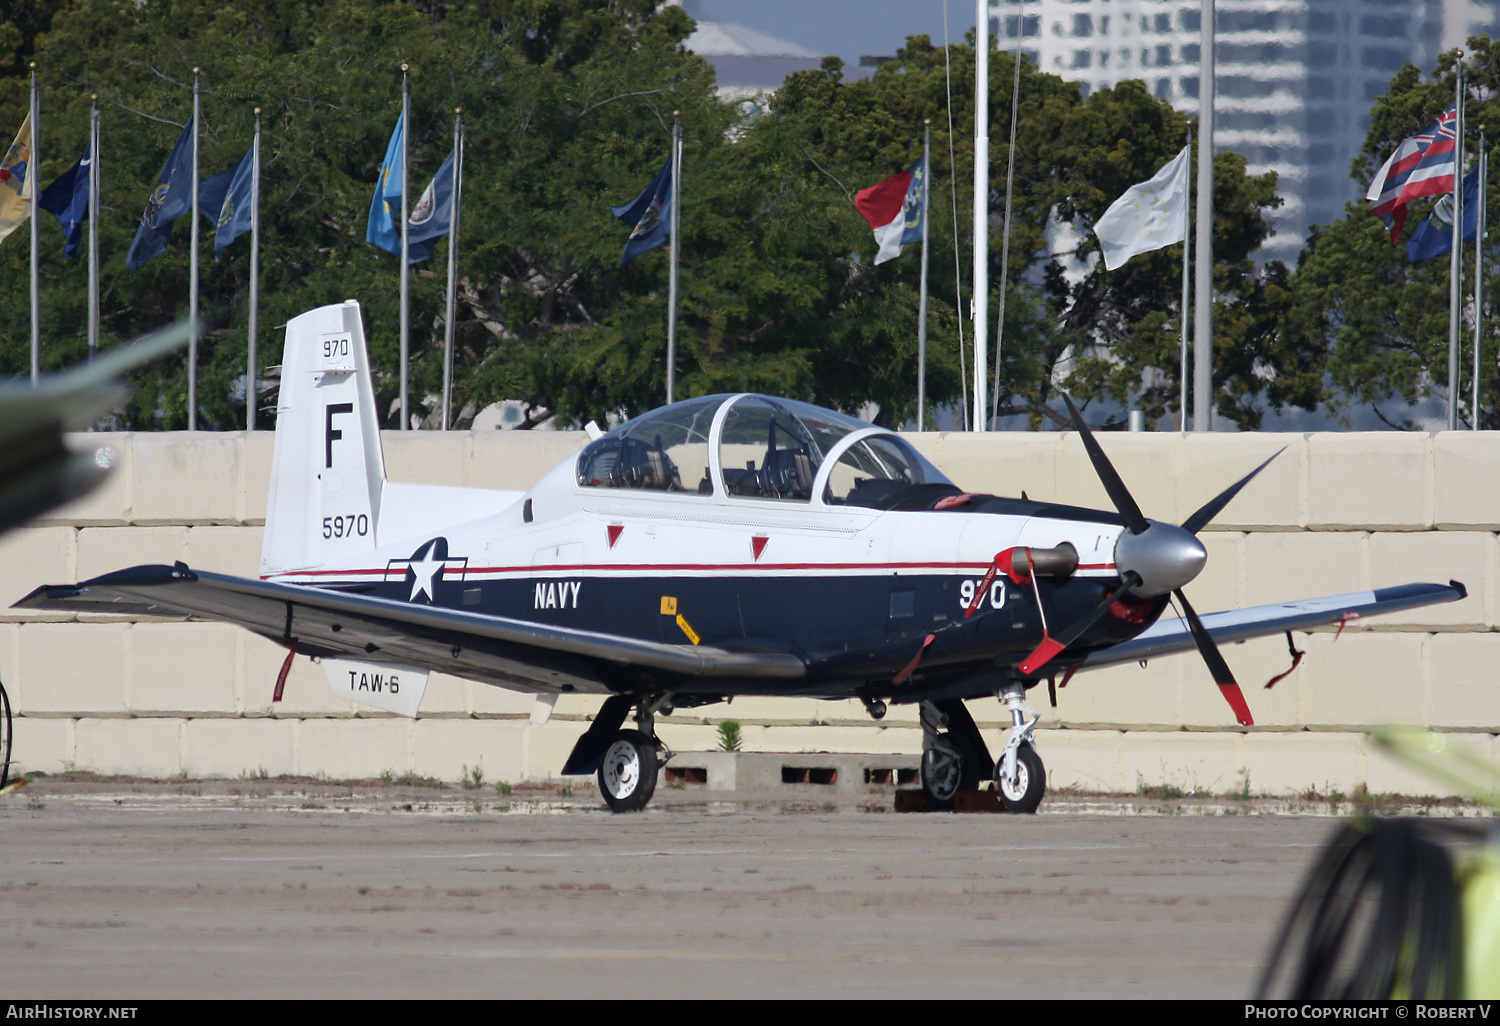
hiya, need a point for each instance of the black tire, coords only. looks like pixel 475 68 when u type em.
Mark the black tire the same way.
pixel 627 776
pixel 5 734
pixel 941 780
pixel 1031 780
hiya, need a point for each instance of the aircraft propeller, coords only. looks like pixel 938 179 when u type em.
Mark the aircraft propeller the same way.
pixel 1153 559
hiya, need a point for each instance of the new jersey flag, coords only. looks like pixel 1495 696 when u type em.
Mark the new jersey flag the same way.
pixel 1149 216
pixel 1434 236
pixel 172 197
pixel 383 229
pixel 15 181
pixel 649 214
pixel 68 200
pixel 225 200
pixel 432 217
pixel 1424 164
pixel 893 209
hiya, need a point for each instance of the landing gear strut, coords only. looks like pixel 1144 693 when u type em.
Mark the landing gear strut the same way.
pixel 1019 773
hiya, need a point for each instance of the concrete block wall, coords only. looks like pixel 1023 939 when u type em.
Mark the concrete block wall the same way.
pixel 1331 513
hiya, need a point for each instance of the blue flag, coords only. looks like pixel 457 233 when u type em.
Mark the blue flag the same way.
pixel 384 230
pixel 1434 236
pixel 432 216
pixel 68 199
pixel 172 197
pixel 225 200
pixel 650 214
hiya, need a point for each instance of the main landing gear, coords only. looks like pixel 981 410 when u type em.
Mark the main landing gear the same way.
pixel 625 762
pixel 955 758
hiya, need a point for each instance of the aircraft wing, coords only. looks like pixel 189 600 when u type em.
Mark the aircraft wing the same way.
pixel 37 471
pixel 1168 636
pixel 511 653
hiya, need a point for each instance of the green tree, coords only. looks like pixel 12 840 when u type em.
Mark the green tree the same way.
pixel 1382 320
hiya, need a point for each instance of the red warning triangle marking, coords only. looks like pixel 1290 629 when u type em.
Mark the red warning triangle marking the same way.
pixel 758 545
pixel 614 533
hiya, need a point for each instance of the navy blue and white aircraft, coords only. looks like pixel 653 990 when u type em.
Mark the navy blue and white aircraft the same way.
pixel 719 546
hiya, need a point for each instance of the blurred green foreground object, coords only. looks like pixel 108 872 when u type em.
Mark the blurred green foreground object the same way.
pixel 1387 911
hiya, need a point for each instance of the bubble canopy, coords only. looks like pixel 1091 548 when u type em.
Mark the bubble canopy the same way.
pixel 766 448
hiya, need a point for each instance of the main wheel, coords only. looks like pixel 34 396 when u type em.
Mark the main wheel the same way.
pixel 1023 794
pixel 950 766
pixel 627 777
pixel 4 736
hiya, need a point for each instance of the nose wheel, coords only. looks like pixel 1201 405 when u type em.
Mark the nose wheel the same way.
pixel 627 777
pixel 1022 787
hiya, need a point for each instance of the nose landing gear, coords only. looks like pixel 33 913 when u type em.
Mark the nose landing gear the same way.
pixel 1019 773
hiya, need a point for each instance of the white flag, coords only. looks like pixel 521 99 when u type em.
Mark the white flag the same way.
pixel 1149 216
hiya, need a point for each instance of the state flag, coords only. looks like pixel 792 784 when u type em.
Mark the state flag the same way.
pixel 172 197
pixel 68 200
pixel 893 209
pixel 1434 236
pixel 15 181
pixel 383 229
pixel 225 199
pixel 1149 216
pixel 1424 164
pixel 432 217
pixel 649 214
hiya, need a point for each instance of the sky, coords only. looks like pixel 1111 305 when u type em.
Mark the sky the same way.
pixel 843 28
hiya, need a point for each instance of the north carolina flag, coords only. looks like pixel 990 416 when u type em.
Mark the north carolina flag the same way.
pixel 894 209
pixel 1424 164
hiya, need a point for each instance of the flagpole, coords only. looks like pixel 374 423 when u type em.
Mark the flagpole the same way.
pixel 405 214
pixel 981 291
pixel 1455 260
pixel 453 210
pixel 676 223
pixel 94 228
pixel 1010 174
pixel 252 372
pixel 193 279
pixel 1187 259
pixel 1203 324
pixel 33 179
pixel 922 298
pixel 1479 213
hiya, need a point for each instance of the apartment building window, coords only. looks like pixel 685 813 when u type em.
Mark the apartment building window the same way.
pixel 1028 25
pixel 1190 53
pixel 1188 19
pixel 1083 58
pixel 1164 23
pixel 1083 26
pixel 1163 89
pixel 1189 86
pixel 1163 56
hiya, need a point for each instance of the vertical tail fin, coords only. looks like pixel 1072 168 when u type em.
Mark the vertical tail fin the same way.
pixel 327 472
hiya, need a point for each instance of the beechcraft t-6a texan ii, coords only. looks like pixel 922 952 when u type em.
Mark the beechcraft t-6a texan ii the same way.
pixel 719 546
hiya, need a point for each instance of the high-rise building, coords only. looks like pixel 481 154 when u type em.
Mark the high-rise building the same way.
pixel 1295 79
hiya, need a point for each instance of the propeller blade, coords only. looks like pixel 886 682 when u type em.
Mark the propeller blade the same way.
pixel 1108 476
pixel 1211 508
pixel 1050 646
pixel 1228 686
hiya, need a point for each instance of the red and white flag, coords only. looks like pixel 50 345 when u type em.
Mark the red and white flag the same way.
pixel 1424 164
pixel 894 209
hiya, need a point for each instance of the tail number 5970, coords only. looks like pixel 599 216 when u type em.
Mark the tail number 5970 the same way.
pixel 351 526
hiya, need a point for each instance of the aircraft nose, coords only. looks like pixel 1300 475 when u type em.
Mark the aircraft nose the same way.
pixel 1164 557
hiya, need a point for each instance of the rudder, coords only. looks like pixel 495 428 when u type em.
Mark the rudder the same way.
pixel 327 470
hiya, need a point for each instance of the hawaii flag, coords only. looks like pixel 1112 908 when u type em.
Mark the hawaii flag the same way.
pixel 1149 216
pixel 1423 165
pixel 894 210
pixel 15 181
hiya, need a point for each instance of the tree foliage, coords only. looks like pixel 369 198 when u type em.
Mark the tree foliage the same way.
pixel 568 107
pixel 1382 321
